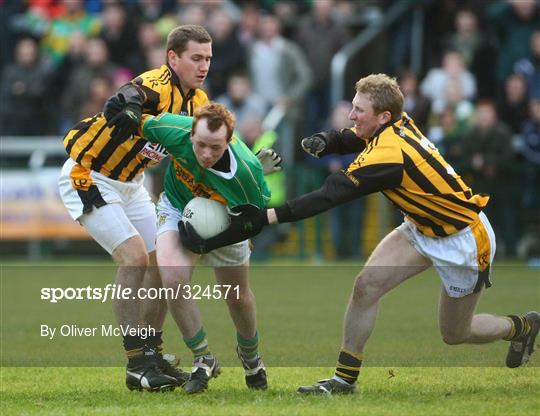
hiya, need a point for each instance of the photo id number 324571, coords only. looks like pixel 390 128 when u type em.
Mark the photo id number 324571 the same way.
pixel 198 292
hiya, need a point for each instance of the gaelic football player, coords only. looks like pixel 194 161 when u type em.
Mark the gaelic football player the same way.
pixel 444 227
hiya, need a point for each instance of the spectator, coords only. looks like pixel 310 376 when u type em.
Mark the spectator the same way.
pixel 282 76
pixel 494 169
pixel 23 92
pixel 228 54
pixel 479 54
pixel 241 100
pixel 192 14
pixel 530 66
pixel 448 130
pixel 249 25
pixel 77 91
pixel 117 34
pixel 100 89
pixel 512 107
pixel 148 39
pixel 74 19
pixel 320 37
pixel 529 144
pixel 455 100
pixel 434 84
pixel 466 39
pixel 416 105
pixel 514 22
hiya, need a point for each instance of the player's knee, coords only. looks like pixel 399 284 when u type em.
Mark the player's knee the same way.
pixel 367 287
pixel 174 276
pixel 454 338
pixel 240 299
pixel 131 253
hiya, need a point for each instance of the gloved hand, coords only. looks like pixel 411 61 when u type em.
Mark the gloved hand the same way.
pixel 270 160
pixel 315 144
pixel 246 221
pixel 123 116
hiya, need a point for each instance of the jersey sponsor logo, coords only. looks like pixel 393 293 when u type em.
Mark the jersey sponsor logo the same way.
pixel 154 151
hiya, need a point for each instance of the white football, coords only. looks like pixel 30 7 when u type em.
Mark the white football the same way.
pixel 207 216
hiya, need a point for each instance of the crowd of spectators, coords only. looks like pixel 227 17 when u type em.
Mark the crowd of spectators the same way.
pixel 477 96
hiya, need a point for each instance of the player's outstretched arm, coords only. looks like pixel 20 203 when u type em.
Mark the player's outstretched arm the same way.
pixel 325 143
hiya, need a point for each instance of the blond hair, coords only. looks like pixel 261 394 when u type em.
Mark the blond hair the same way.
pixel 383 92
pixel 216 115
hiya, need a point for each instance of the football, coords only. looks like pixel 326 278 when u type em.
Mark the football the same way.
pixel 207 216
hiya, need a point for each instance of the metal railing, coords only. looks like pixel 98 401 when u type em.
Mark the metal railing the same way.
pixel 362 40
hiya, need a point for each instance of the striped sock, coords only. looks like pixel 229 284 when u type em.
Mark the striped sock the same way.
pixel 248 347
pixel 198 344
pixel 134 347
pixel 348 366
pixel 520 328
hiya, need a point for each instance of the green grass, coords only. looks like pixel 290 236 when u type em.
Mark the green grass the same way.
pixel 300 309
pixel 412 391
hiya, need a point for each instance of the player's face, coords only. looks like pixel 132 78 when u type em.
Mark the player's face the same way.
pixel 365 120
pixel 208 146
pixel 193 65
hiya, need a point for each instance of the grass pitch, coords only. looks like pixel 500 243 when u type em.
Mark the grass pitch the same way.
pixel 411 391
pixel 408 370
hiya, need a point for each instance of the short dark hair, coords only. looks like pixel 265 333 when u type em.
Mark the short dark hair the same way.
pixel 179 37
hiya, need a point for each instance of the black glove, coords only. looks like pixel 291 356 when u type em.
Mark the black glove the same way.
pixel 246 221
pixel 123 116
pixel 315 144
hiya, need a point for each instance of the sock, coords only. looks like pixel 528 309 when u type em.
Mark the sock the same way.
pixel 520 328
pixel 198 344
pixel 134 347
pixel 248 347
pixel 155 341
pixel 348 366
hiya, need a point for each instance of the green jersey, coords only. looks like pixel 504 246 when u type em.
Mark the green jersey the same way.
pixel 186 179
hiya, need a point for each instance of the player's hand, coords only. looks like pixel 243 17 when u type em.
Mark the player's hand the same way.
pixel 122 116
pixel 191 239
pixel 246 222
pixel 315 144
pixel 270 160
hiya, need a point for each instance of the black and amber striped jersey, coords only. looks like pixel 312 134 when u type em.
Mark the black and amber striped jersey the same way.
pixel 89 143
pixel 406 167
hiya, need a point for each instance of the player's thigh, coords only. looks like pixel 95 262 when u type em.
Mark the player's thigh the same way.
pixel 109 226
pixel 393 261
pixel 141 211
pixel 175 263
pixel 456 313
pixel 233 275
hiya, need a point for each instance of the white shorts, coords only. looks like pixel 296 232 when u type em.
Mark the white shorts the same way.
pixel 127 210
pixel 462 260
pixel 233 255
